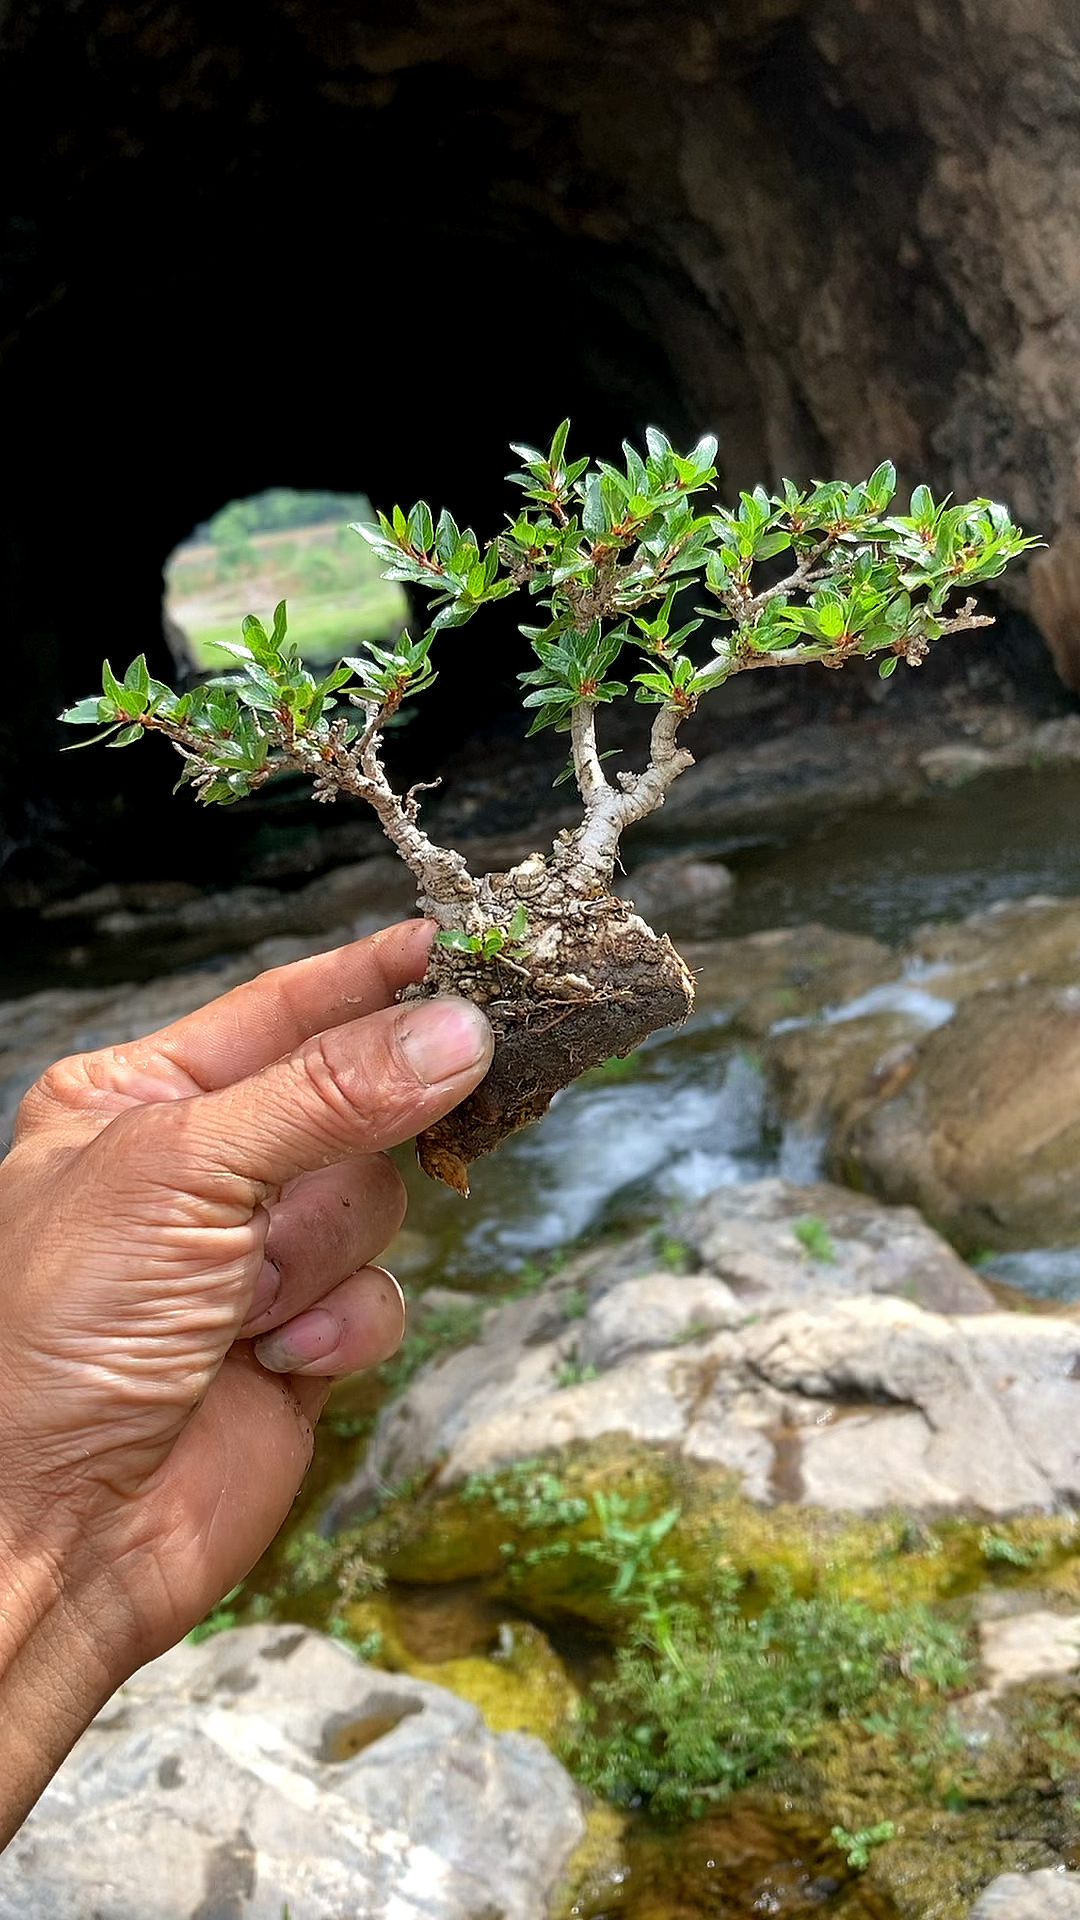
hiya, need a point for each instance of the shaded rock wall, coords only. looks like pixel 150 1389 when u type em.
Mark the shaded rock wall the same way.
pixel 362 246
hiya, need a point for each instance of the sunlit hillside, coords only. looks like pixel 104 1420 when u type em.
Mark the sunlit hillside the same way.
pixel 328 576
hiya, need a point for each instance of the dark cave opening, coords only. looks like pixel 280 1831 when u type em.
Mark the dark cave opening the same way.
pixel 367 250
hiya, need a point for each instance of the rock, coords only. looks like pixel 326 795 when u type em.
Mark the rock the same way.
pixel 818 769
pixel 820 1075
pixel 268 1768
pixel 747 1236
pixel 650 1311
pixel 139 896
pixel 954 765
pixel 1048 1894
pixel 1035 941
pixel 786 973
pixel 790 1362
pixel 680 895
pixel 1022 1647
pixel 928 1411
pixel 365 895
pixel 984 1132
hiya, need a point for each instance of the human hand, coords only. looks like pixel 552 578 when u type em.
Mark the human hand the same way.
pixel 165 1203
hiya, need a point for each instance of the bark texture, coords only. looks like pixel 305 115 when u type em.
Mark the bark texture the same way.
pixel 829 230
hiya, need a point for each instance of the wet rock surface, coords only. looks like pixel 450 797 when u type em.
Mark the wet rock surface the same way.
pixel 268 1770
pixel 983 1130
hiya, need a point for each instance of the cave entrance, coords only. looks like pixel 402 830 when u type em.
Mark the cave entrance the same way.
pixel 285 543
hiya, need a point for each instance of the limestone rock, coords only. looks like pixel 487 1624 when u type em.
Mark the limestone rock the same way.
pixel 984 1133
pixel 654 1310
pixel 1022 1647
pixel 1048 1894
pixel 925 1410
pixel 268 1768
pixel 747 1236
pixel 810 1378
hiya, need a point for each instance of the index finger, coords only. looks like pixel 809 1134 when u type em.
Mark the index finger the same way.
pixel 270 1016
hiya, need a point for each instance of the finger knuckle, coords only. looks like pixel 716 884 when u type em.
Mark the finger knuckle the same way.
pixel 358 1093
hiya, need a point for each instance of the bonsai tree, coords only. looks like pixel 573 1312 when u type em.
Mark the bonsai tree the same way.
pixel 568 973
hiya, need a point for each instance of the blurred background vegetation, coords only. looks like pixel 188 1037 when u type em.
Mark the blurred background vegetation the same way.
pixel 283 543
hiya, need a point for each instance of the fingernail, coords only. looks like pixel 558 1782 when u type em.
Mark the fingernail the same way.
pixel 444 1037
pixel 307 1338
pixel 267 1288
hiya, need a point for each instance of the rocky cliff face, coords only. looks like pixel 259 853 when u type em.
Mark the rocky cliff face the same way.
pixel 829 229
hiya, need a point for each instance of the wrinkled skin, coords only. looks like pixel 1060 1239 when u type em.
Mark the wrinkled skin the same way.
pixel 187 1230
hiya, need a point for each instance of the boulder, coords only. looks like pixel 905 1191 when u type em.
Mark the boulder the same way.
pixel 794 1361
pixel 983 1132
pixel 1048 1894
pixel 1034 941
pixel 821 1074
pixel 779 1244
pixel 268 1770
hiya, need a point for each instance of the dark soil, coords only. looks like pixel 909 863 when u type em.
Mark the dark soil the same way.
pixel 581 994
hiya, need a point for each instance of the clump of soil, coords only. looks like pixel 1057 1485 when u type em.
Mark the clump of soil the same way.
pixel 587 986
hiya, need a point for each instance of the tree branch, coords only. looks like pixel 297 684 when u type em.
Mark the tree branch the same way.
pixel 591 778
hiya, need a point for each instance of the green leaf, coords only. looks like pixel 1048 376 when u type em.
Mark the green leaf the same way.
pixel 83 714
pixel 519 922
pixel 558 444
pixel 888 666
pixel 770 543
pixel 830 619
pixel 457 939
pixel 882 485
pixel 112 687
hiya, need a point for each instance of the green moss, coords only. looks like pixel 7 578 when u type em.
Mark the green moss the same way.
pixel 530 1530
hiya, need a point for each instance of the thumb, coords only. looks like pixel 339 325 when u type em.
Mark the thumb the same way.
pixel 356 1088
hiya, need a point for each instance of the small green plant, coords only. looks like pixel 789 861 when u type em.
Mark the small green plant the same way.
pixel 606 553
pixel 727 1698
pixel 573 1373
pixel 677 1255
pixel 528 1494
pixel 493 942
pixel 814 1238
pixel 857 1847
pixel 368 1646
pixel 998 1550
pixel 224 1615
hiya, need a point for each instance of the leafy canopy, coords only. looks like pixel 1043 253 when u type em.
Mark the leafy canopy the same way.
pixel 606 552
